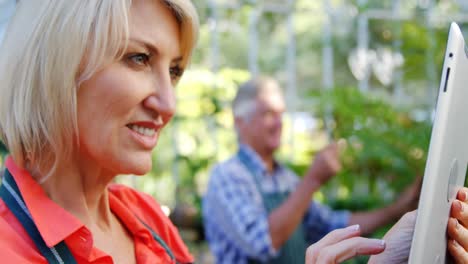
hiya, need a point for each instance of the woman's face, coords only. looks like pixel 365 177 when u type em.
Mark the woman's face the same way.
pixel 123 107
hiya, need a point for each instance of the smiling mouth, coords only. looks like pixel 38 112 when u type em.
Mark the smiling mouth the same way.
pixel 144 131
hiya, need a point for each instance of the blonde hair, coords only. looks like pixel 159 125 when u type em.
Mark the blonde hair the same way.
pixel 49 48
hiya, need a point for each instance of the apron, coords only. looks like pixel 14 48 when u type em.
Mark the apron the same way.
pixel 60 253
pixel 293 250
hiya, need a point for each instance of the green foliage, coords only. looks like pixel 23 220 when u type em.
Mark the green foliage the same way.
pixel 422 47
pixel 386 148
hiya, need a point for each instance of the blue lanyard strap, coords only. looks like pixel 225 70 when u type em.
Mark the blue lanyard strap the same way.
pixel 10 194
pixel 61 254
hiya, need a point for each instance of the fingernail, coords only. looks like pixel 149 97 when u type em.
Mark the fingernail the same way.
pixel 382 243
pixel 461 206
pixel 373 245
pixel 353 227
pixel 466 196
pixel 379 243
pixel 456 224
pixel 455 243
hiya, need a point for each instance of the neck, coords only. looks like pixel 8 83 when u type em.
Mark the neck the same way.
pixel 81 189
pixel 269 162
pixel 266 156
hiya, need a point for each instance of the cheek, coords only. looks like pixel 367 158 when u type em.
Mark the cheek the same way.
pixel 105 103
pixel 108 94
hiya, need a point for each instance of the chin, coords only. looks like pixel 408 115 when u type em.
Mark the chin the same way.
pixel 140 172
pixel 271 149
pixel 275 146
pixel 139 166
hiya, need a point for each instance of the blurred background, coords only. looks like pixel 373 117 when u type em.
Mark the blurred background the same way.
pixel 367 71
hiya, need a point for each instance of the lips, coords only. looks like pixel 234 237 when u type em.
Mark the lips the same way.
pixel 145 133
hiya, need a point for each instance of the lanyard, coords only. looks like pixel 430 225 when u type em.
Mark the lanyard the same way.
pixel 60 253
pixel 10 194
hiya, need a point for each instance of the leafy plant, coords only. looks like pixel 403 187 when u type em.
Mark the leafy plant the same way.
pixel 386 147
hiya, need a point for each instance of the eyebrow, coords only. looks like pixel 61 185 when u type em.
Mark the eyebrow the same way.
pixel 152 48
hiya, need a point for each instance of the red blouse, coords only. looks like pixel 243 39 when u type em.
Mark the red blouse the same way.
pixel 56 224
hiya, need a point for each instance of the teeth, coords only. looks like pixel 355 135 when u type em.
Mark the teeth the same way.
pixel 143 130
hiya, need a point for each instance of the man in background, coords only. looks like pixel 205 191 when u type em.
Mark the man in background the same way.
pixel 256 210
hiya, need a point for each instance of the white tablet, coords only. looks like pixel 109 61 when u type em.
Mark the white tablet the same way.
pixel 447 159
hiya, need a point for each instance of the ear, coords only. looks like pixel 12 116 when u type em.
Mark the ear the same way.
pixel 240 125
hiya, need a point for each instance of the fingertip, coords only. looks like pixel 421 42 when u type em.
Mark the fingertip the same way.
pixel 457 207
pixel 463 194
pixel 461 206
pixel 457 251
pixel 451 245
pixel 380 243
pixel 452 222
pixel 452 248
pixel 455 244
pixel 452 227
pixel 383 244
pixel 372 247
pixel 354 229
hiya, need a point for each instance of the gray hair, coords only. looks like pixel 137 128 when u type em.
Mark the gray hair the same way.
pixel 244 102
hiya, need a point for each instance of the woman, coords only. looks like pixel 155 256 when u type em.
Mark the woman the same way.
pixel 86 88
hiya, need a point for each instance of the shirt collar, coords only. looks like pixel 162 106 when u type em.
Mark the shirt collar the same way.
pixel 128 218
pixel 53 222
pixel 255 160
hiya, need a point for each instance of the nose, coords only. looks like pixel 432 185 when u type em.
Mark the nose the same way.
pixel 163 102
pixel 278 120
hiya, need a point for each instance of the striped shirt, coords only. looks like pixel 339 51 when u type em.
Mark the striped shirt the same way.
pixel 236 222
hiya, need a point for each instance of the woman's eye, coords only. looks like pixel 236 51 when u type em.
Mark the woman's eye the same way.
pixel 176 72
pixel 140 59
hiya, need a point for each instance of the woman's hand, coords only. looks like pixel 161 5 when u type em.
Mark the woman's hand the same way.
pixel 399 237
pixel 457 227
pixel 342 244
